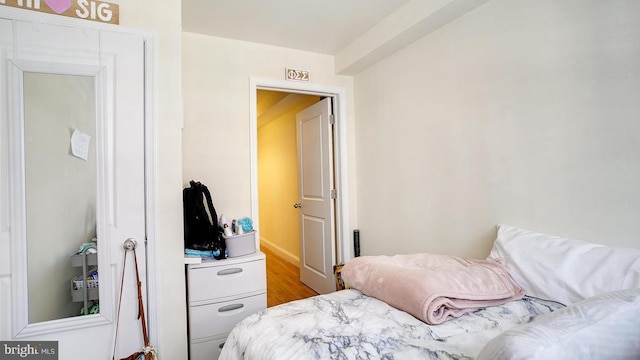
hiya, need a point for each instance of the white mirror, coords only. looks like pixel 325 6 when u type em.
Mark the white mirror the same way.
pixel 61 193
pixel 58 212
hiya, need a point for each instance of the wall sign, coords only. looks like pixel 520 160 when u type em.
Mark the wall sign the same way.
pixel 82 9
pixel 293 74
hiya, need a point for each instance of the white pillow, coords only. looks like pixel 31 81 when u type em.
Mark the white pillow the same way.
pixel 564 270
pixel 602 327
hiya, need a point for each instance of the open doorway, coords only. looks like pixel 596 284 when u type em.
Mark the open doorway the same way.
pixel 341 248
pixel 278 170
pixel 278 192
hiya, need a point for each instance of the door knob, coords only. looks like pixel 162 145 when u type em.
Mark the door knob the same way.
pixel 297 206
pixel 130 244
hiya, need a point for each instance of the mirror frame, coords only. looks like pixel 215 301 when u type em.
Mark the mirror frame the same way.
pixel 21 327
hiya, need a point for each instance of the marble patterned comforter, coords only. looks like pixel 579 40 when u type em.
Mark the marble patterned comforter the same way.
pixel 350 325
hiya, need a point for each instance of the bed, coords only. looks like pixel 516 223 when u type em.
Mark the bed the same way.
pixel 578 300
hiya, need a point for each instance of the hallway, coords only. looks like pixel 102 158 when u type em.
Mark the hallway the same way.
pixel 283 281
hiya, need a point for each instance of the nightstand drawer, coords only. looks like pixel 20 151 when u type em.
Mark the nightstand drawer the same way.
pixel 220 282
pixel 219 318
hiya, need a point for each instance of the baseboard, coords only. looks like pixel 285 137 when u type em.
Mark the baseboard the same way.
pixel 289 257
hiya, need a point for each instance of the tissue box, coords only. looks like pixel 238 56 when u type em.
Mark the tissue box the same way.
pixel 238 245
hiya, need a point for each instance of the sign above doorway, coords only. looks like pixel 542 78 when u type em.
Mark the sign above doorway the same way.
pixel 95 10
pixel 297 75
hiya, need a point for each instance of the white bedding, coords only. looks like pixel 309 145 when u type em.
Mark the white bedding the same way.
pixel 350 325
pixel 602 327
pixel 563 269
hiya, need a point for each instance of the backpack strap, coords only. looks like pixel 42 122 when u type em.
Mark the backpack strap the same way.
pixel 216 229
pixel 212 210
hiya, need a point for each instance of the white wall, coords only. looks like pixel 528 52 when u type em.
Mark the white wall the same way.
pixel 521 112
pixel 216 144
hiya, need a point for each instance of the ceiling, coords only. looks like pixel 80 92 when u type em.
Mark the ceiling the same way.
pixel 324 27
pixel 272 105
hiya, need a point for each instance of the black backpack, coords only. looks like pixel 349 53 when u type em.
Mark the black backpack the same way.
pixel 200 232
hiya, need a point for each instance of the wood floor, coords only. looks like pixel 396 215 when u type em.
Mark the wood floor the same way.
pixel 283 281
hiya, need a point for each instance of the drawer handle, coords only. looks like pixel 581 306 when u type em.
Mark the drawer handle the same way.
pixel 230 307
pixel 230 271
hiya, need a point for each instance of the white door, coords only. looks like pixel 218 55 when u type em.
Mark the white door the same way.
pixel 115 61
pixel 316 204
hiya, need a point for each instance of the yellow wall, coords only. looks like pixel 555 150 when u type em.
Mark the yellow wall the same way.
pixel 278 180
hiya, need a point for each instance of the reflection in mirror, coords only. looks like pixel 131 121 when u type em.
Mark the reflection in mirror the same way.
pixel 61 195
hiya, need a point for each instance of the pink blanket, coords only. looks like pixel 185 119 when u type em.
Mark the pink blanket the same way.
pixel 433 288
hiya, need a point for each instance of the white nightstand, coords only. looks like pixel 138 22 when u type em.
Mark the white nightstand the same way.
pixel 220 293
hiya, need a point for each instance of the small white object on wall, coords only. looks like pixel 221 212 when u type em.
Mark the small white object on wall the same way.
pixel 80 144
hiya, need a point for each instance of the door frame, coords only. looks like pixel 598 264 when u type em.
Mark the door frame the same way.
pixel 343 248
pixel 151 184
